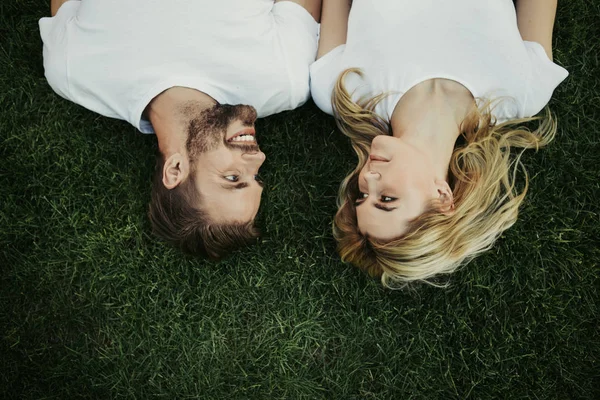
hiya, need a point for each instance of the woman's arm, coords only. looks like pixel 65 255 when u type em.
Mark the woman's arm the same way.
pixel 334 25
pixel 55 5
pixel 312 6
pixel 535 19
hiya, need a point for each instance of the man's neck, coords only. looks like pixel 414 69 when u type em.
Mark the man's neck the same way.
pixel 429 116
pixel 170 112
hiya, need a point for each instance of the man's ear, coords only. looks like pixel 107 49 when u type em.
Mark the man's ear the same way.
pixel 445 198
pixel 175 170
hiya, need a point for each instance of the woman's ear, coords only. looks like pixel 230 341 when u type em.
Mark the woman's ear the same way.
pixel 175 170
pixel 445 198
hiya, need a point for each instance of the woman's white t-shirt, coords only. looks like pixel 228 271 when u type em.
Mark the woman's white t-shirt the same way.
pixel 400 43
pixel 114 56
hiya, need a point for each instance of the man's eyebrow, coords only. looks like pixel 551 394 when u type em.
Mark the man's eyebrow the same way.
pixel 240 185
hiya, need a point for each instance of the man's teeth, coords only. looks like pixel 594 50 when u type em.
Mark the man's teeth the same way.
pixel 244 138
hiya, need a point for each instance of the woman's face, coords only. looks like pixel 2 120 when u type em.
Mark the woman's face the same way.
pixel 395 186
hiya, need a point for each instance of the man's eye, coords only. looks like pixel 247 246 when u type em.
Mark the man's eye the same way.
pixel 232 178
pixel 387 199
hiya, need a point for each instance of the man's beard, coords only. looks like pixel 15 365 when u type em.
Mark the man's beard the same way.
pixel 208 129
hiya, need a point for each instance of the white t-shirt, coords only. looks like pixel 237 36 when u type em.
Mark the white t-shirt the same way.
pixel 114 56
pixel 400 43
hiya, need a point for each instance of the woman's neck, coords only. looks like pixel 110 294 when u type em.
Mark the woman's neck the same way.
pixel 429 117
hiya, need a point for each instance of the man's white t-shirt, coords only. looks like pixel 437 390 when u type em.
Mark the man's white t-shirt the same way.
pixel 400 43
pixel 114 56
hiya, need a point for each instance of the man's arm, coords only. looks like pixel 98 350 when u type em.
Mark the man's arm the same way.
pixel 334 25
pixel 312 6
pixel 55 5
pixel 535 19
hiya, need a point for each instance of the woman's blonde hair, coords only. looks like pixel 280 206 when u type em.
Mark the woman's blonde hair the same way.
pixel 482 174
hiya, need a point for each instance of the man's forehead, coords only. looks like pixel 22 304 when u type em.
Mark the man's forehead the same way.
pixel 231 204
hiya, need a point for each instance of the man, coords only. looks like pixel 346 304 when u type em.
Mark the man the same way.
pixel 198 74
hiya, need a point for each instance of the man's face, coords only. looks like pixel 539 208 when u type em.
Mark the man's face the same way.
pixel 223 150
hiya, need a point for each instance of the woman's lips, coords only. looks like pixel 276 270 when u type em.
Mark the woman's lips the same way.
pixel 376 157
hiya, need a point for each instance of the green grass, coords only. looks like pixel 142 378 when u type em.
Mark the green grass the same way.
pixel 92 306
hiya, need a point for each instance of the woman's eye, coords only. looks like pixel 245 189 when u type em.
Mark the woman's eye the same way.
pixel 362 195
pixel 232 178
pixel 387 199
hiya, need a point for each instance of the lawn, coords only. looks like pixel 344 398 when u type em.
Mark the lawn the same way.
pixel 92 306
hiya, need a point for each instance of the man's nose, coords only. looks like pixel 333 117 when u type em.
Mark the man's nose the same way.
pixel 257 156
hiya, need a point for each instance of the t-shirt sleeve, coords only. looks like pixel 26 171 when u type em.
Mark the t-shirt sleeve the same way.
pixel 298 32
pixel 323 74
pixel 545 77
pixel 55 36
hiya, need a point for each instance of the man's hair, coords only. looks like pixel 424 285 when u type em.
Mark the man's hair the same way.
pixel 176 218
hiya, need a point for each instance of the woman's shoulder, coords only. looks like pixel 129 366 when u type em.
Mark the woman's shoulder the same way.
pixel 545 77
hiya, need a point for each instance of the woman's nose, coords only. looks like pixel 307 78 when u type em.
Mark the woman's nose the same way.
pixel 372 176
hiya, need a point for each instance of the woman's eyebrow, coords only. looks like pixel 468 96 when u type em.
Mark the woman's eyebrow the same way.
pixel 376 205
pixel 384 208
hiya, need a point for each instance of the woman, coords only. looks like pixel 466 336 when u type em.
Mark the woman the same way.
pixel 432 95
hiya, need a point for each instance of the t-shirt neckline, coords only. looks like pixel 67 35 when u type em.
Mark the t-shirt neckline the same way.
pixel 398 95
